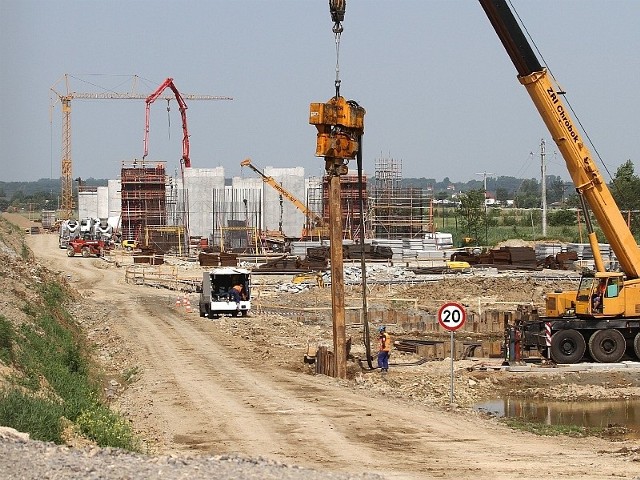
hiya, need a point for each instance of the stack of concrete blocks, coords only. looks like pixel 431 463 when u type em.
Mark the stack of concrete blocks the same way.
pixel 200 184
pixel 411 247
pixel 585 255
pixel 299 248
pixel 544 250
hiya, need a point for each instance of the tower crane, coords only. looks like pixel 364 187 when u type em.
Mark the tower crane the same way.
pixel 63 94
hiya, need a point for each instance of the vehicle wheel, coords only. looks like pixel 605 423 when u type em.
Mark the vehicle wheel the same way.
pixel 607 346
pixel 245 313
pixel 70 251
pixel 636 345
pixel 86 253
pixel 235 313
pixel 567 346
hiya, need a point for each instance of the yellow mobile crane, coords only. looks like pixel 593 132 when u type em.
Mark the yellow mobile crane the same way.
pixel 314 224
pixel 604 313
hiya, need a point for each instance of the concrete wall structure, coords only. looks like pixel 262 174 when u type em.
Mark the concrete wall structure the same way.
pixel 115 198
pixel 103 202
pixel 293 220
pixel 87 204
pixel 200 184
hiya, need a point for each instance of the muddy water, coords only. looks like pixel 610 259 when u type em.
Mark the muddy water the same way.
pixel 595 414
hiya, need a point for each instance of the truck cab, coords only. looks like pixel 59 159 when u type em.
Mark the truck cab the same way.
pixel 216 298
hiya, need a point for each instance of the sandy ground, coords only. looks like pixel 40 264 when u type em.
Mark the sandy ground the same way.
pixel 200 386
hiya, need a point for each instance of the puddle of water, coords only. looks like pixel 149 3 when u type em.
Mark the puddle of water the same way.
pixel 598 414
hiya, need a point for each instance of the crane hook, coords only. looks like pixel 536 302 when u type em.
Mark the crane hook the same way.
pixel 337 9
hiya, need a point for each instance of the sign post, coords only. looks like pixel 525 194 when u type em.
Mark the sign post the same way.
pixel 451 316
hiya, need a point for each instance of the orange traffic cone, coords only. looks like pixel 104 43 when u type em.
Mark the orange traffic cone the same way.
pixel 178 302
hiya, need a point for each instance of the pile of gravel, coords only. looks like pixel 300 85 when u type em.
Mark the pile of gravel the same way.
pixel 25 459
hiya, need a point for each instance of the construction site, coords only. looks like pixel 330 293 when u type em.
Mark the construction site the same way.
pixel 252 213
pixel 192 324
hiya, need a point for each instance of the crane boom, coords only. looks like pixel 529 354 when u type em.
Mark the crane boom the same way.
pixel 564 131
pixel 168 83
pixel 284 192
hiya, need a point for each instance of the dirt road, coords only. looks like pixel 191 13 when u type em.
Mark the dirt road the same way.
pixel 202 389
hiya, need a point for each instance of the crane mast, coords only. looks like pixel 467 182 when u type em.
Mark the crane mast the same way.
pixel 564 131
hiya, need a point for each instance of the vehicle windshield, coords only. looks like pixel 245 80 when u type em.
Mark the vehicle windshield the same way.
pixel 587 284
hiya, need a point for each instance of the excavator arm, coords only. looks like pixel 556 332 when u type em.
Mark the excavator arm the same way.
pixel 564 131
pixel 168 83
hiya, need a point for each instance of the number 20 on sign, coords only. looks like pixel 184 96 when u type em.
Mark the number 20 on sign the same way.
pixel 452 316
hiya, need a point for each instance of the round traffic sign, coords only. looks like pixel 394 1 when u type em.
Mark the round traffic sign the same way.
pixel 452 316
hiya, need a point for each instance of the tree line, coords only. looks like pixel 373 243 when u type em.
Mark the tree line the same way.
pixel 475 218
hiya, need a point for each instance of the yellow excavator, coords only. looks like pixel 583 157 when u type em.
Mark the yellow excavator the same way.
pixel 603 315
pixel 314 224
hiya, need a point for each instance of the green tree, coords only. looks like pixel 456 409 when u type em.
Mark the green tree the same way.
pixel 625 188
pixel 471 213
pixel 529 194
pixel 562 217
pixel 502 194
pixel 555 189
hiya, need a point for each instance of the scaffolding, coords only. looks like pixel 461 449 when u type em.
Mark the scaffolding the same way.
pixel 165 239
pixel 349 204
pixel 397 212
pixel 143 198
pixel 315 199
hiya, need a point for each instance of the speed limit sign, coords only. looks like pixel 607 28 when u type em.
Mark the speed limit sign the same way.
pixel 452 316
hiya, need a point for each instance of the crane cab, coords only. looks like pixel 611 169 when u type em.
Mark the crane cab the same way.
pixel 601 295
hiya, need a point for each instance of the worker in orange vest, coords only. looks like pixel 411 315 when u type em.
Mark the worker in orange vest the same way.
pixel 384 349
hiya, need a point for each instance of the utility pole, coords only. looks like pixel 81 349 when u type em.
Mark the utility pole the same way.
pixel 543 171
pixel 486 226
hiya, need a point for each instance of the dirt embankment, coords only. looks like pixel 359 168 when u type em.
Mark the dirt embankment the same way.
pixel 239 385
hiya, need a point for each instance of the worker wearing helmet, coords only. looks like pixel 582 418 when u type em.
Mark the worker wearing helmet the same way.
pixel 384 349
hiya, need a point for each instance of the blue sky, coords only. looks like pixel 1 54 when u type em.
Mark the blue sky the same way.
pixel 440 92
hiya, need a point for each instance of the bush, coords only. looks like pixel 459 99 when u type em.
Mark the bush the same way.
pixel 40 417
pixel 106 428
pixel 6 340
pixel 57 379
